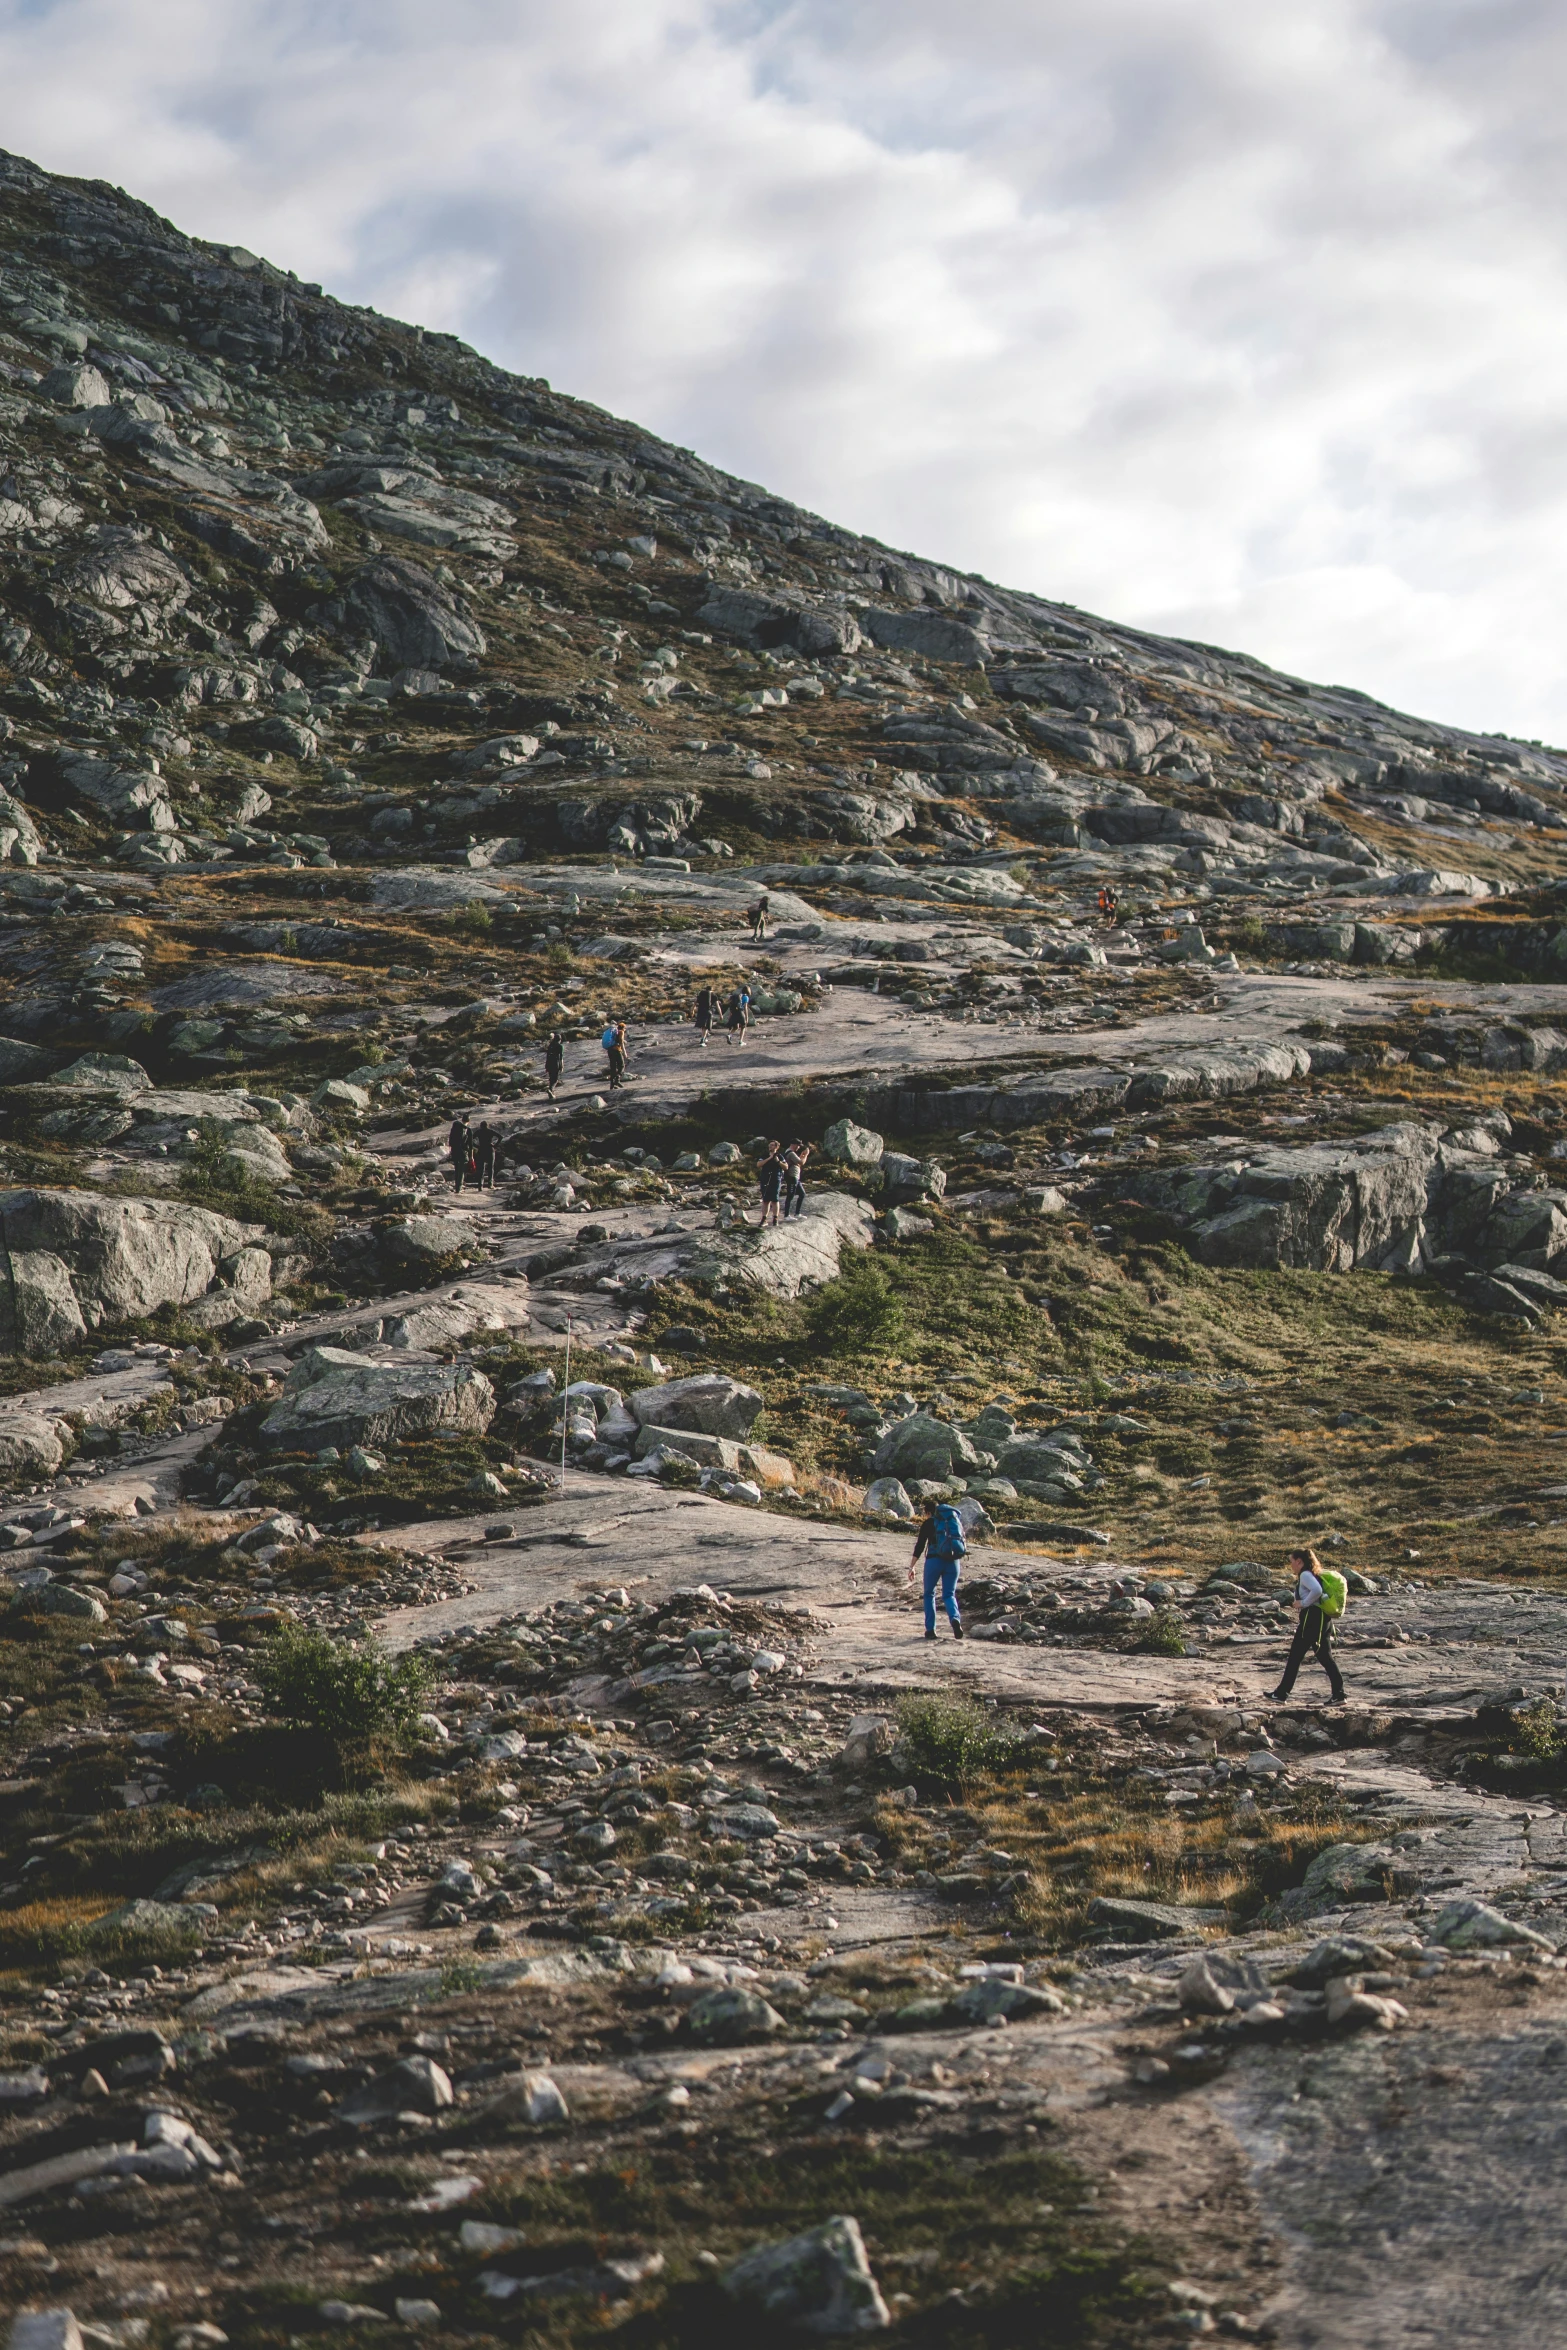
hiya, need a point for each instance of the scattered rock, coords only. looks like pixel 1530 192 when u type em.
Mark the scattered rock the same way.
pixel 816 2283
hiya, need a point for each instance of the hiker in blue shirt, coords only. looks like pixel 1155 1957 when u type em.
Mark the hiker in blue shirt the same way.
pixel 941 1540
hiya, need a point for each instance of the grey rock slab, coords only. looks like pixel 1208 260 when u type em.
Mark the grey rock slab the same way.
pixel 709 1402
pixel 371 1403
pixel 460 1314
pixel 1447 2234
pixel 74 1258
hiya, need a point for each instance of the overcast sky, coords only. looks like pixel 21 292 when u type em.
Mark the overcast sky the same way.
pixel 1243 319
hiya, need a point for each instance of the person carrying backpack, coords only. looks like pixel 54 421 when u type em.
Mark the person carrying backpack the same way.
pixel 1320 1596
pixel 554 1062
pixel 702 1018
pixel 942 1541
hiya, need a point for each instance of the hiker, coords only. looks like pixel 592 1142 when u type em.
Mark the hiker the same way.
pixel 942 1541
pixel 702 1017
pixel 794 1160
pixel 554 1062
pixel 615 1055
pixel 757 916
pixel 1320 1594
pixel 484 1155
pixel 769 1182
pixel 1109 906
pixel 457 1150
pixel 739 1014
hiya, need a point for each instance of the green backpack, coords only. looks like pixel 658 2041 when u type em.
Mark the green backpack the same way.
pixel 1335 1591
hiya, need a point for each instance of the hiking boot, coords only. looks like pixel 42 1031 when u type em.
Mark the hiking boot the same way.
pixel 957 1631
pixel 1338 1698
pixel 930 1635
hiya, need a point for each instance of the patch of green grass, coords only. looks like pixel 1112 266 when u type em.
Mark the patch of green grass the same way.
pixel 1010 2232
pixel 214 1178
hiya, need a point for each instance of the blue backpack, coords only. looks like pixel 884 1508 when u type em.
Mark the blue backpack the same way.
pixel 946 1534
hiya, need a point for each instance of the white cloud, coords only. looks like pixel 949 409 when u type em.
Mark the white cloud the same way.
pixel 1243 321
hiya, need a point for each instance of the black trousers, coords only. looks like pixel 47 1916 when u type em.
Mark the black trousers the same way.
pixel 1313 1637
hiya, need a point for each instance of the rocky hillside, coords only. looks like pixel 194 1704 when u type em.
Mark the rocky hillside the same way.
pixel 287 583
pixel 474 1787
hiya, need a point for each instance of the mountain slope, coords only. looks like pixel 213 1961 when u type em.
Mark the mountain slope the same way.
pixel 243 527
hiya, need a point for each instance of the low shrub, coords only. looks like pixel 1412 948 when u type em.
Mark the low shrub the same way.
pixel 951 1740
pixel 353 1696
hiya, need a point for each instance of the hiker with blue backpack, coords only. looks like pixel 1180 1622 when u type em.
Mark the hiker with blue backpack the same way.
pixel 1320 1596
pixel 942 1543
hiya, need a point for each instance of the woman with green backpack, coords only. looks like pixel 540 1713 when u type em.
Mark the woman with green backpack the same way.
pixel 1320 1594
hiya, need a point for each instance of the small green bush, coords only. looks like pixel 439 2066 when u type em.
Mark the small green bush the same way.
pixel 952 1740
pixel 859 1313
pixel 1163 1637
pixel 351 1695
pixel 1536 1732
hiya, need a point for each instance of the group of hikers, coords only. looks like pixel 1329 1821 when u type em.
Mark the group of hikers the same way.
pixel 1321 1594
pixel 713 1010
pixel 780 1178
pixel 731 1013
pixel 473 1151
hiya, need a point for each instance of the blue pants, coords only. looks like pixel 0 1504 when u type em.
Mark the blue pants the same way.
pixel 944 1572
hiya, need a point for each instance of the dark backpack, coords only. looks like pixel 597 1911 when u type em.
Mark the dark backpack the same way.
pixel 947 1539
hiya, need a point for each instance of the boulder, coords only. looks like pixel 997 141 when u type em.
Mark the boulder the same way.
pixel 1328 1208
pixel 354 1400
pixel 767 621
pixel 851 1145
pixel 992 1995
pixel 31 1445
pixel 76 1259
pixel 418 1244
pixel 1473 1925
pixel 76 384
pixel 714 1452
pixel 922 1446
pixel 415 2085
pixel 21 842
pixel 817 2283
pixel 887 1497
pixel 1143 1921
pixel 59 1599
pixel 868 1739
pixel 21 1062
pixel 730 2015
pixel 1353 1872
pixel 908 1178
pixel 1039 1460
pixel 130 796
pixel 105 1073
pixel 931 634
pixel 414 620
pixel 709 1402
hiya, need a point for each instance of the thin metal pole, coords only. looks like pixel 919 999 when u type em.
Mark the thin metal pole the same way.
pixel 565 1415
